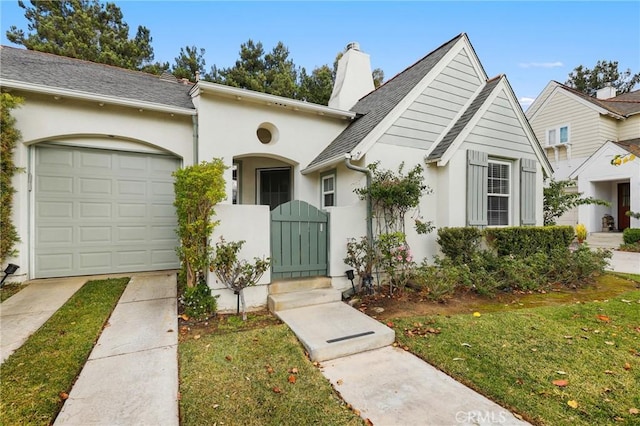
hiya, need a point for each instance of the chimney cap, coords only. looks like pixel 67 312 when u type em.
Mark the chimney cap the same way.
pixel 353 45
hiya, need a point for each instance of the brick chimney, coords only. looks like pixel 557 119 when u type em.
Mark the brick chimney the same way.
pixel 607 92
pixel 353 78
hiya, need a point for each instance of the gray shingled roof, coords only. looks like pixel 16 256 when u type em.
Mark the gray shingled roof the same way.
pixel 453 133
pixel 28 66
pixel 375 106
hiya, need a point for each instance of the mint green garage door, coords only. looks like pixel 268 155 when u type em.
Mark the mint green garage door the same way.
pixel 99 211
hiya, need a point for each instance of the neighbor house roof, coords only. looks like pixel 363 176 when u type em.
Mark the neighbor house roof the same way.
pixel 375 106
pixel 453 133
pixel 631 145
pixel 29 68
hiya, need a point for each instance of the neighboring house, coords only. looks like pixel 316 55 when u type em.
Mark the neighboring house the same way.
pixel 99 144
pixel 581 135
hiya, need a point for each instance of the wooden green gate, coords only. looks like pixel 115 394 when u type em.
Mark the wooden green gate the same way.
pixel 299 237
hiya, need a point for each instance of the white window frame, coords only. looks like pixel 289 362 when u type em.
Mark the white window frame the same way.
pixel 508 196
pixel 324 177
pixel 557 131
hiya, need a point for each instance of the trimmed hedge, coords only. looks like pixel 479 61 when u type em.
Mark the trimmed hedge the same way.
pixel 524 241
pixel 631 235
pixel 459 244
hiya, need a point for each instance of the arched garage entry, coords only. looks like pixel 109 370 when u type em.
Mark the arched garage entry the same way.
pixel 100 211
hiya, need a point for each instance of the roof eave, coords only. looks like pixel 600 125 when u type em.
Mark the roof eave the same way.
pixel 112 100
pixel 267 99
pixel 323 164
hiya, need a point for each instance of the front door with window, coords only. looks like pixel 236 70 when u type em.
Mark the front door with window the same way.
pixel 275 187
pixel 624 205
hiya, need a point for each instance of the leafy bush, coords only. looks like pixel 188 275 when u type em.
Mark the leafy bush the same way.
pixel 437 283
pixel 459 244
pixel 361 256
pixel 524 241
pixel 198 301
pixel 631 235
pixel 396 258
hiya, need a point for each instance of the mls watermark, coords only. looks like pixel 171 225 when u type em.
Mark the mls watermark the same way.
pixel 481 417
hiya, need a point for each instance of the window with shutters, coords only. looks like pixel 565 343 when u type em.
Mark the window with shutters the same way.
pixel 498 193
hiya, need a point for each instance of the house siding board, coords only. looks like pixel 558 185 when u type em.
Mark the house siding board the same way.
pixel 583 121
pixel 60 72
pixel 629 128
pixel 453 133
pixel 375 106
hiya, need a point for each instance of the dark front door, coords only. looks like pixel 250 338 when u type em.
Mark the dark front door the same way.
pixel 275 187
pixel 624 205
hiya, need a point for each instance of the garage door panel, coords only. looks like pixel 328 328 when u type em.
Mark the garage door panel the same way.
pixel 94 210
pixel 95 187
pixel 54 209
pixel 55 185
pixel 94 234
pixel 136 188
pixel 131 234
pixel 54 234
pixel 103 212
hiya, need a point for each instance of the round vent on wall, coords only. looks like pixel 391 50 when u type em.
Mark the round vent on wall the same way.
pixel 267 133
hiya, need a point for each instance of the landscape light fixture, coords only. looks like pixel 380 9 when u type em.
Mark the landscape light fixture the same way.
pixel 10 269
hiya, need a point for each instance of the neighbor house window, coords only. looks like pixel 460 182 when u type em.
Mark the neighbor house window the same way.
pixel 328 185
pixel 558 135
pixel 498 193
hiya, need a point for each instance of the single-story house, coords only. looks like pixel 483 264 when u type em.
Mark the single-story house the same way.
pixel 99 145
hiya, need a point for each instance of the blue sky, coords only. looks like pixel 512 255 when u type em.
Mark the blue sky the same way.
pixel 531 42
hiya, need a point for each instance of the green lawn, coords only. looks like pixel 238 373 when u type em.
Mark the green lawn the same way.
pixel 514 358
pixel 36 377
pixel 8 289
pixel 245 378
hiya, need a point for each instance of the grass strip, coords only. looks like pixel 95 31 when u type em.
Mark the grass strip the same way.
pixel 514 358
pixel 9 289
pixel 245 378
pixel 36 375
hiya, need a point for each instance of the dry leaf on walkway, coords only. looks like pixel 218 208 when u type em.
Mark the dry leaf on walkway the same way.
pixel 339 382
pixel 572 403
pixel 560 383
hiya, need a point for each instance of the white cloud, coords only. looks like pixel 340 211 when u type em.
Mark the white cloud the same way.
pixel 525 102
pixel 556 64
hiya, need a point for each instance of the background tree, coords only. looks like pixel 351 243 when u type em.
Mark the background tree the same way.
pixel 317 86
pixel 9 137
pixel 83 29
pixel 589 81
pixel 557 201
pixel 189 61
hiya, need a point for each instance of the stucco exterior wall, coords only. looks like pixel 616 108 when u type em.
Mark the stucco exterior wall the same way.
pixel 86 124
pixel 227 129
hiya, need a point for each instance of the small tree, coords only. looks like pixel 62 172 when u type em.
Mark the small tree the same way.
pixel 234 273
pixel 9 137
pixel 557 201
pixel 393 195
pixel 198 189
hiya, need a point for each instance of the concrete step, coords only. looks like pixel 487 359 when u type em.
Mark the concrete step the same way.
pixel 335 330
pixel 297 299
pixel 608 240
pixel 299 284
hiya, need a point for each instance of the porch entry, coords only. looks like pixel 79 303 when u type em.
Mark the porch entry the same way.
pixel 274 186
pixel 624 205
pixel 299 238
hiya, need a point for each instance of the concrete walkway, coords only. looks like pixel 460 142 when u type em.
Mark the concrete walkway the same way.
pixel 24 313
pixel 131 377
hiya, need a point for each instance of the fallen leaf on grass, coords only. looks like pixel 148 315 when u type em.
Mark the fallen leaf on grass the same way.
pixel 517 416
pixel 292 379
pixel 634 411
pixel 293 370
pixel 477 314
pixel 603 318
pixel 568 337
pixel 458 359
pixel 215 406
pixel 561 372
pixel 63 395
pixel 627 366
pixel 608 372
pixel 277 389
pixel 269 369
pixel 228 358
pixel 560 383
pixel 608 342
pixel 184 317
pixel 196 337
pixel 466 344
pixel 572 403
pixel 390 324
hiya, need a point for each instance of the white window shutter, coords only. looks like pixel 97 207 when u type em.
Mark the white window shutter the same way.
pixel 477 178
pixel 528 191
